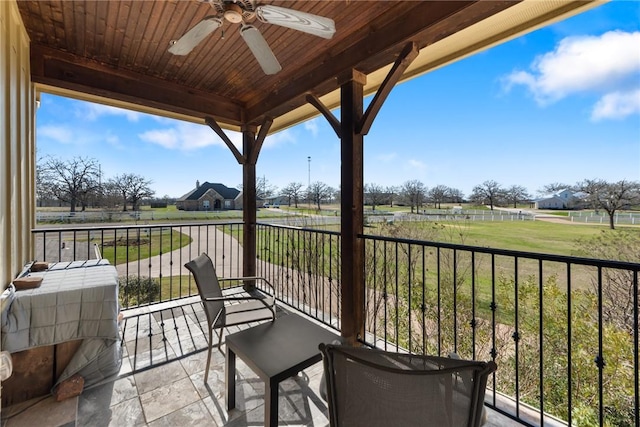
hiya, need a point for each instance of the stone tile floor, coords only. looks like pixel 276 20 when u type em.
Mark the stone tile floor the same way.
pixel 161 383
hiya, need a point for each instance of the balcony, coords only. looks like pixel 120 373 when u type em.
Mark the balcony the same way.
pixel 161 382
pixel 526 311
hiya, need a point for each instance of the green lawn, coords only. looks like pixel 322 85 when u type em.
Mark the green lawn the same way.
pixel 132 246
pixel 527 236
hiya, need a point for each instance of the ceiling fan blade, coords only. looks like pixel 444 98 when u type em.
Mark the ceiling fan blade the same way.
pixel 301 21
pixel 260 49
pixel 195 35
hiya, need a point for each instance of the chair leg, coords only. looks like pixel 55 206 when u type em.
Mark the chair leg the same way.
pixel 220 339
pixel 206 371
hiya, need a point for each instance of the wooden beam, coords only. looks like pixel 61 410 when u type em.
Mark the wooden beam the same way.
pixel 406 57
pixel 369 47
pixel 352 208
pixel 264 131
pixel 333 121
pixel 61 69
pixel 217 129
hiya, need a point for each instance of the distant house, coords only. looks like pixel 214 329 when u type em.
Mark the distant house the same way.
pixel 565 199
pixel 209 197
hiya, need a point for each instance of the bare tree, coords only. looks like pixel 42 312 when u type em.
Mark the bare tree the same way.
pixel 489 192
pixel 132 188
pixel 552 188
pixel 618 291
pixel 264 189
pixel 374 195
pixel 455 195
pixel 591 188
pixel 71 181
pixel 437 195
pixel 44 187
pixel 516 194
pixel 414 192
pixel 337 194
pixel 319 192
pixel 611 197
pixel 110 195
pixel 293 191
pixel 392 193
pixel 140 189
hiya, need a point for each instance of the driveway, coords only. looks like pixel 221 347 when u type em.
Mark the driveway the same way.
pixel 224 250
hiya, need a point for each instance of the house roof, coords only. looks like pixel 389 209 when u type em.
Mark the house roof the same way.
pixel 224 191
pixel 116 52
pixel 548 199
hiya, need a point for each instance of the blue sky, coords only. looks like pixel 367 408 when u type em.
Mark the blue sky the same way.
pixel 561 104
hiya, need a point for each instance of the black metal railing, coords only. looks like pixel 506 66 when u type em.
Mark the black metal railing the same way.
pixel 563 330
pixel 149 258
pixel 305 266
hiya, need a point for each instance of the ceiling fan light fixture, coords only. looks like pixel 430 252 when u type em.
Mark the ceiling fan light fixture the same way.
pixel 233 13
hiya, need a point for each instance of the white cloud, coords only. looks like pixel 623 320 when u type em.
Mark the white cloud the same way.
pixel 607 65
pixel 188 136
pixel 617 105
pixel 280 138
pixel 76 135
pixel 61 134
pixel 387 157
pixel 92 112
pixel 312 126
pixel 166 138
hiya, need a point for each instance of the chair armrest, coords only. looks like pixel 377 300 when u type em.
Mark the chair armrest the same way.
pixel 245 278
pixel 249 298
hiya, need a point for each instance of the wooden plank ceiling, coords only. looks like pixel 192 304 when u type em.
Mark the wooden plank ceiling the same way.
pixel 118 50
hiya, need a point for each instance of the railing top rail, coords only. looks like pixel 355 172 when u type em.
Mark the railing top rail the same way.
pixel 132 226
pixel 293 227
pixel 507 252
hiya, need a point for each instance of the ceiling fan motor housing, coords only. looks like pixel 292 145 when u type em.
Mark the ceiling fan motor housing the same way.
pixel 234 11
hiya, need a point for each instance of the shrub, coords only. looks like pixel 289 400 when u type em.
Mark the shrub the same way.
pixel 135 290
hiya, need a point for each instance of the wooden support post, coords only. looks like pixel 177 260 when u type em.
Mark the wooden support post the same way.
pixel 248 158
pixel 354 124
pixel 352 198
pixel 249 206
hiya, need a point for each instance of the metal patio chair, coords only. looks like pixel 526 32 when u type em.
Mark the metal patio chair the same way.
pixel 369 387
pixel 223 311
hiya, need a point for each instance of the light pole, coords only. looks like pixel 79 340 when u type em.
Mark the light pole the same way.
pixel 309 183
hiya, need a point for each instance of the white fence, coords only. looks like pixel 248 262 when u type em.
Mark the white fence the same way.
pixel 109 216
pixel 291 219
pixel 601 217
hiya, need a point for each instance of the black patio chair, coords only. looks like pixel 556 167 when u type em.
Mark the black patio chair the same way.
pixel 223 311
pixel 367 387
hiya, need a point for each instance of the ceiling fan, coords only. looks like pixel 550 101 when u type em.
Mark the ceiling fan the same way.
pixel 245 12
